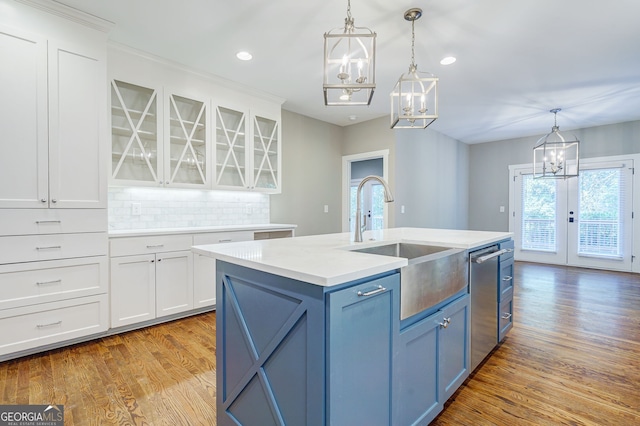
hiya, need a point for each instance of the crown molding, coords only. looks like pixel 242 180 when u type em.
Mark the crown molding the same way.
pixel 203 74
pixel 75 15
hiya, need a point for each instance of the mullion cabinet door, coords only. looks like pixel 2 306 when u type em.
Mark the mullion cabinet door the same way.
pixel 231 148
pixel 188 142
pixel 266 153
pixel 136 151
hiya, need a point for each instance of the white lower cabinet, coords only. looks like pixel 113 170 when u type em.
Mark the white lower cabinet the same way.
pixel 49 323
pixel 153 284
pixel 204 267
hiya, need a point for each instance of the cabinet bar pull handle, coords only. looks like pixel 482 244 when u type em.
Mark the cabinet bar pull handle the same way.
pixel 38 222
pixel 228 240
pixel 507 278
pixel 59 280
pixel 506 315
pixel 155 246
pixel 49 248
pixel 48 325
pixel 380 289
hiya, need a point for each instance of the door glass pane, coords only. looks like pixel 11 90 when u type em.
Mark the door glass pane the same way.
pixel 187 147
pixel 265 153
pixel 538 214
pixel 377 206
pixel 230 147
pixel 600 210
pixel 134 136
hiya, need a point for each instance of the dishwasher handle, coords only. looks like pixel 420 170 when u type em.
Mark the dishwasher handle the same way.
pixel 481 259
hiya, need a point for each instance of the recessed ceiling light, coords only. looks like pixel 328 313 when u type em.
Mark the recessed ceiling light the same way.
pixel 244 56
pixel 353 117
pixel 448 60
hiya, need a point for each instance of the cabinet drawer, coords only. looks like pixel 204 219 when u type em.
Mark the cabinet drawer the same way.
pixel 30 248
pixel 149 244
pixel 506 245
pixel 52 221
pixel 505 318
pixel 222 237
pixel 505 278
pixel 24 284
pixel 33 326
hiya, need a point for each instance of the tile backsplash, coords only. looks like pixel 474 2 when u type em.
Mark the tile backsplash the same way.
pixel 181 208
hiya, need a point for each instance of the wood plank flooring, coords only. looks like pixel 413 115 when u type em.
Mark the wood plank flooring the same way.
pixel 573 357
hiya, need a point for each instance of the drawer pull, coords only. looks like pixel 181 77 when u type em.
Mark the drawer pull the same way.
pixel 49 325
pixel 49 248
pixel 155 246
pixel 59 280
pixel 38 222
pixel 380 289
pixel 506 315
pixel 228 240
pixel 445 322
pixel 507 278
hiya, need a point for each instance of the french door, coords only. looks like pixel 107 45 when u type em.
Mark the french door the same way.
pixel 584 221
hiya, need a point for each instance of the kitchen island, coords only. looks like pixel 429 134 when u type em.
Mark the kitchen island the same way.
pixel 309 331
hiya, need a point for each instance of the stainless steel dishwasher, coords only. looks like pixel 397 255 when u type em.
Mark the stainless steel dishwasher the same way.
pixel 483 282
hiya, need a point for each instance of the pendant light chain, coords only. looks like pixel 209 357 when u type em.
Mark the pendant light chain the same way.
pixel 413 43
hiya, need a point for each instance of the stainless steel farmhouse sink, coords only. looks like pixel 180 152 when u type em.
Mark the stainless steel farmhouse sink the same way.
pixel 433 274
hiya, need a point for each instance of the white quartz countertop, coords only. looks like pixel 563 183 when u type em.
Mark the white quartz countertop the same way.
pixel 326 260
pixel 199 229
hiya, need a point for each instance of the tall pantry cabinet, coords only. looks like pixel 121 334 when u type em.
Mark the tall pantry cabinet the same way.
pixel 53 181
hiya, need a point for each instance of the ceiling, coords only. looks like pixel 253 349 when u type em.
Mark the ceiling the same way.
pixel 516 59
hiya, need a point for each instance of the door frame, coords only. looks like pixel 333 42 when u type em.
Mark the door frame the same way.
pixel 586 162
pixel 346 181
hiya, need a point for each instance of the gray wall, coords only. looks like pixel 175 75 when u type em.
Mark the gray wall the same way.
pixel 311 175
pixel 432 180
pixel 428 174
pixel 489 167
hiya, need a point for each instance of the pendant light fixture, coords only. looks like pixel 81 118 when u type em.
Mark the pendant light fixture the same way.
pixel 414 100
pixel 556 156
pixel 349 64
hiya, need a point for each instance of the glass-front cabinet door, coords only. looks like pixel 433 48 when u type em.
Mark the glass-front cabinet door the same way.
pixel 187 142
pixel 136 154
pixel 231 148
pixel 266 153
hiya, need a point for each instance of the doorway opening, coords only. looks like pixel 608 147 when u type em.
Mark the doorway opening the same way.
pixel 354 169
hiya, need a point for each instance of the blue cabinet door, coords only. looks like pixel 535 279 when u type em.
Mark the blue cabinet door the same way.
pixel 362 323
pixel 415 390
pixel 270 349
pixel 453 348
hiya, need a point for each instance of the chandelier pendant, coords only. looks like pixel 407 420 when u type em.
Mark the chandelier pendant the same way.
pixel 414 99
pixel 556 156
pixel 349 64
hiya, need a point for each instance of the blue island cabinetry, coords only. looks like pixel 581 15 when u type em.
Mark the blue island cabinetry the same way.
pixel 294 353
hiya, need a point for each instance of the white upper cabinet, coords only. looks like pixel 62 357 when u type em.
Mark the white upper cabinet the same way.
pixel 266 156
pixel 136 153
pixel 158 141
pixel 231 159
pixel 187 142
pixel 52 123
pixel 247 150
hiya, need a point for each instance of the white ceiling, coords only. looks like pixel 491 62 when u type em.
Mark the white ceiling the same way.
pixel 516 59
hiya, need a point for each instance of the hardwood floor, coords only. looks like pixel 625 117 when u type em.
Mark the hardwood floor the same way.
pixel 573 357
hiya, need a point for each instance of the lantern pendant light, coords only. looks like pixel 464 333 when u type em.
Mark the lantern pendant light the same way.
pixel 349 64
pixel 414 99
pixel 556 156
